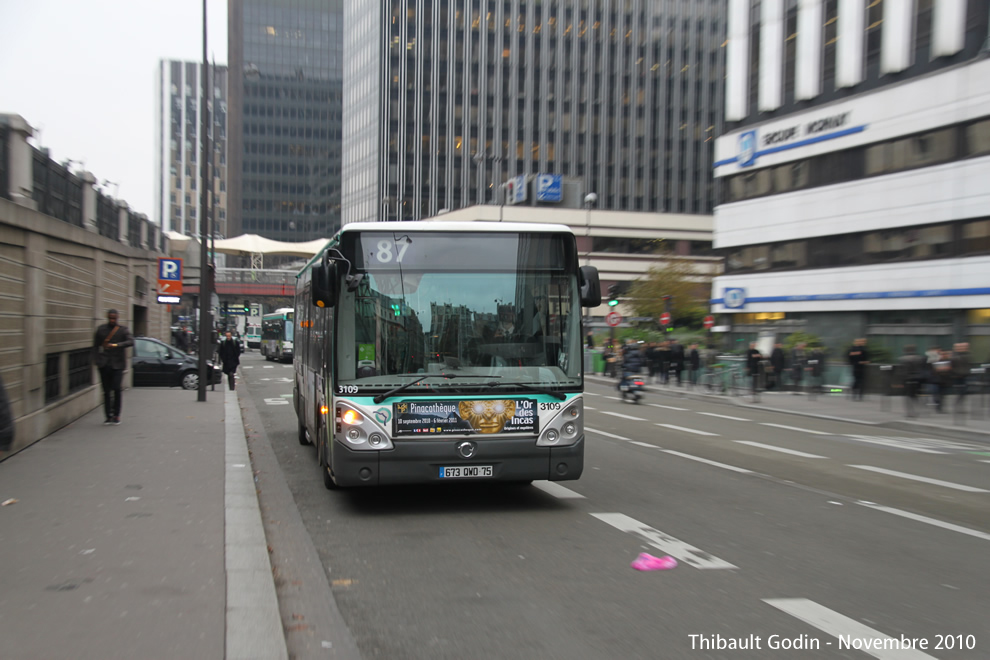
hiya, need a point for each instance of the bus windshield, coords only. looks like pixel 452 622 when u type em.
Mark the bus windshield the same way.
pixel 499 314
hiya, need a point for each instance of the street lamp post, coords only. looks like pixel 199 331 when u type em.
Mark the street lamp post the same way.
pixel 205 272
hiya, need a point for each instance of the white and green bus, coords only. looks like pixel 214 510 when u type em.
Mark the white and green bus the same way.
pixel 443 352
pixel 277 334
pixel 252 336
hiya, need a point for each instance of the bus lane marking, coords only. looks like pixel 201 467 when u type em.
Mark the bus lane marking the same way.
pixel 793 452
pixel 928 521
pixel 795 428
pixel 557 490
pixel 630 417
pixel 657 405
pixel 687 430
pixel 914 477
pixel 735 419
pixel 607 434
pixel 643 444
pixel 674 547
pixel 851 633
pixel 705 460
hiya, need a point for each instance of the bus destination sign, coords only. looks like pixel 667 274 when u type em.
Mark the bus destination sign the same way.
pixel 452 417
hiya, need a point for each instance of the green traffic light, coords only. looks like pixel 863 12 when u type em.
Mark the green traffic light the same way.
pixel 613 303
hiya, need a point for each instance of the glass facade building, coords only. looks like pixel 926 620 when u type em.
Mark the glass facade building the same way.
pixel 445 100
pixel 285 117
pixel 179 145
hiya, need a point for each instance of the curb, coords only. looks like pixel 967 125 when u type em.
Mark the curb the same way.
pixel 254 626
pixel 956 432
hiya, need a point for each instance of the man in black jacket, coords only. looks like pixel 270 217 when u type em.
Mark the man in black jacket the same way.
pixel 110 356
pixel 230 355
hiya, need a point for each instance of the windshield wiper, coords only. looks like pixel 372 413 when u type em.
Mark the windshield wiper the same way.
pixel 541 390
pixel 402 388
pixel 381 397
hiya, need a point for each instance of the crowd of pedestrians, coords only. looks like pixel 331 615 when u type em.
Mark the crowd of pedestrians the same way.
pixel 937 373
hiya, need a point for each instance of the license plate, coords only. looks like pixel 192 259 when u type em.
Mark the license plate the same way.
pixel 466 471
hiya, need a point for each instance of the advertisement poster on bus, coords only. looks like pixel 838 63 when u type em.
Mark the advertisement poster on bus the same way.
pixel 468 416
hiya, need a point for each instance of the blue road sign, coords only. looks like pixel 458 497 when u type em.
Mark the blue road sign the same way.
pixel 549 188
pixel 170 269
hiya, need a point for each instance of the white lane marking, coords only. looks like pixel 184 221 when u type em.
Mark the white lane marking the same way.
pixel 268 367
pixel 247 367
pixel 863 638
pixel 557 490
pixel 914 477
pixel 643 444
pixel 590 408
pixel 678 549
pixel 615 398
pixel 607 434
pixel 687 430
pixel 891 443
pixel 705 460
pixel 592 394
pixel 615 414
pixel 927 520
pixel 794 428
pixel 982 461
pixel 657 405
pixel 735 419
pixel 780 449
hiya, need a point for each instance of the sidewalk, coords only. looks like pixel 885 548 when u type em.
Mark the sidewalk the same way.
pixel 142 540
pixel 874 410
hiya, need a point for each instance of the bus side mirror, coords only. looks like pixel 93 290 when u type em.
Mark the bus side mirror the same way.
pixel 591 287
pixel 323 285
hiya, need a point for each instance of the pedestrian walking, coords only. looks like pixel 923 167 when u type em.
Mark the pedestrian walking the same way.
pixel 753 358
pixel 943 379
pixel 665 356
pixel 858 359
pixel 591 340
pixel 677 359
pixel 230 356
pixel 816 369
pixel 110 345
pixel 777 366
pixel 913 368
pixel 961 366
pixel 694 364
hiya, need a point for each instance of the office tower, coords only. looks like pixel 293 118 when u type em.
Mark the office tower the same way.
pixel 445 101
pixel 853 175
pixel 179 146
pixel 285 107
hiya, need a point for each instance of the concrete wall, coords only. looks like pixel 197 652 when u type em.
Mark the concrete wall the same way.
pixel 56 283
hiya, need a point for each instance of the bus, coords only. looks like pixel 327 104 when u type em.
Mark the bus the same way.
pixel 277 332
pixel 252 336
pixel 443 352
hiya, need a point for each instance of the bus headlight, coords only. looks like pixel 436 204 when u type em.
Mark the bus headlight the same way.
pixel 357 431
pixel 565 428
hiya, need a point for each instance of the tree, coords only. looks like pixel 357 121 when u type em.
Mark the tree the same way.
pixel 677 278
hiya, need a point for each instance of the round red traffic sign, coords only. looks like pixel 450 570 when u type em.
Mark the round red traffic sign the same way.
pixel 665 318
pixel 709 321
pixel 613 318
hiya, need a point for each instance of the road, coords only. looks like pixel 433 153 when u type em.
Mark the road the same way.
pixel 817 534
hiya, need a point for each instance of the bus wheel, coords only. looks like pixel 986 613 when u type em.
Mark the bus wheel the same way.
pixel 303 440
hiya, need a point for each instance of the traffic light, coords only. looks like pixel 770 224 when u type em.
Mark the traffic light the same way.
pixel 224 309
pixel 247 308
pixel 613 295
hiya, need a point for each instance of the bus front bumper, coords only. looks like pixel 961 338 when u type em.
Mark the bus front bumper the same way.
pixel 417 462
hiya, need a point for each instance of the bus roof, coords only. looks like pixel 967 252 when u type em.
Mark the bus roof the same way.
pixel 280 311
pixel 436 225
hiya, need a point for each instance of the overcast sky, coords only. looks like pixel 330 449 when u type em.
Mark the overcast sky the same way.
pixel 83 73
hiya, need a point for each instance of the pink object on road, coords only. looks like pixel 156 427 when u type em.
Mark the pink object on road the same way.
pixel 647 562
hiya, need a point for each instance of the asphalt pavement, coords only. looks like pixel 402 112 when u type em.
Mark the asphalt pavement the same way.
pixel 788 529
pixel 138 541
